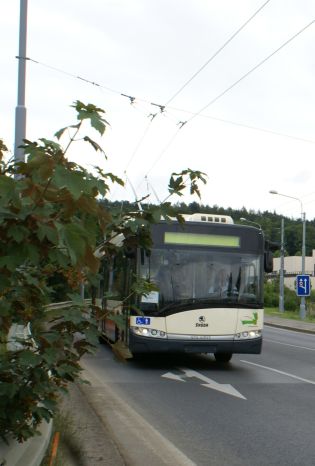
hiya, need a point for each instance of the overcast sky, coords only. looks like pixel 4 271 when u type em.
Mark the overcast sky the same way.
pixel 249 136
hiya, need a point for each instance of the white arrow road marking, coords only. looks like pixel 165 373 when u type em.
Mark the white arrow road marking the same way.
pixel 171 376
pixel 224 388
pixel 209 383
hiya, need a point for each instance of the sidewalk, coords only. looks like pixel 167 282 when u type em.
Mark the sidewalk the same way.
pixel 290 324
pixel 87 440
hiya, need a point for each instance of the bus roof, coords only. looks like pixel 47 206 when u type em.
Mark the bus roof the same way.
pixel 209 218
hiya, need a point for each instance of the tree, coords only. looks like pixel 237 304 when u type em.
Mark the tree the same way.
pixel 51 221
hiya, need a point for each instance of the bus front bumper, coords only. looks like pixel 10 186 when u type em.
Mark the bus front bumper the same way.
pixel 141 344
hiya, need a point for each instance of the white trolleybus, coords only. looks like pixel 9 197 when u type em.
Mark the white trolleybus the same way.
pixel 209 273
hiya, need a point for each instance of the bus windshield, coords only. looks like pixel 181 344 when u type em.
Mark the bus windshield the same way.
pixel 188 275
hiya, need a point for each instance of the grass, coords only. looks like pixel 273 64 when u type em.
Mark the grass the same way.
pixel 274 311
pixel 64 424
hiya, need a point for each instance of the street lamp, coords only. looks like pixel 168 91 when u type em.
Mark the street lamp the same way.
pixel 281 283
pixel 20 111
pixel 242 219
pixel 302 304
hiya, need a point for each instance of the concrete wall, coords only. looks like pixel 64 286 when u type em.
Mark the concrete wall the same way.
pixel 293 266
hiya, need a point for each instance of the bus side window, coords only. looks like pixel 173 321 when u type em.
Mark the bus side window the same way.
pixel 117 276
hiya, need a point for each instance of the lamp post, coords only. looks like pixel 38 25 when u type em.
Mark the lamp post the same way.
pixel 281 283
pixel 302 304
pixel 20 111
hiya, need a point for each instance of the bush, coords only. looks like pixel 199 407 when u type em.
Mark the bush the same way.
pixel 271 296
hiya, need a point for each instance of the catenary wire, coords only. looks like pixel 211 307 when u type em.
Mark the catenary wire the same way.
pixel 189 112
pixel 195 75
pixel 216 53
pixel 204 107
pixel 132 99
pixel 229 88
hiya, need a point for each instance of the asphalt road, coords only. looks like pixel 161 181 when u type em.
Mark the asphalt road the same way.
pixel 257 410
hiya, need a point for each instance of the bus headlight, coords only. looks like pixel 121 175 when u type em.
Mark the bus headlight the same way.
pixel 248 335
pixel 148 332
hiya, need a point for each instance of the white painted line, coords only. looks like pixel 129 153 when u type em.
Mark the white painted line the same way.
pixel 279 372
pixel 288 344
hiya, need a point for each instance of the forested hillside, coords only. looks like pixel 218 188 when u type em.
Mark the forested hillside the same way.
pixel 270 223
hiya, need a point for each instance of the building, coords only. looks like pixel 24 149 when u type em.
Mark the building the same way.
pixel 293 267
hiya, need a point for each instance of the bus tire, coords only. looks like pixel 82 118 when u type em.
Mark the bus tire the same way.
pixel 223 357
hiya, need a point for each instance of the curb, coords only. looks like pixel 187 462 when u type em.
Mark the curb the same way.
pixel 29 453
pixel 289 327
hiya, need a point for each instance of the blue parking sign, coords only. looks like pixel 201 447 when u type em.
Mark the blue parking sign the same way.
pixel 303 285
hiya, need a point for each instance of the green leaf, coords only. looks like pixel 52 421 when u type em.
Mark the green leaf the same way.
pixel 7 188
pixel 76 299
pixel 51 144
pixel 28 358
pixel 92 113
pixel 73 236
pixel 50 355
pixel 10 262
pixel 18 233
pixel 59 133
pixel 5 307
pixel 8 390
pixel 49 232
pixel 94 144
pixel 70 180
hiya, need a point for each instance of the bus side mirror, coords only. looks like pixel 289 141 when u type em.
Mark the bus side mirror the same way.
pixel 268 261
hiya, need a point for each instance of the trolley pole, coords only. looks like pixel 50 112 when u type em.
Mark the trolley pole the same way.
pixel 20 111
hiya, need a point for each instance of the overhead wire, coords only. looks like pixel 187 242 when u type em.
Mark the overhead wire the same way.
pixel 235 83
pixel 198 113
pixel 244 125
pixel 182 123
pixel 229 88
pixel 215 99
pixel 216 53
pixel 194 114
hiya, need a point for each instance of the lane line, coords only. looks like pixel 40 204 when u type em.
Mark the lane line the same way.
pixel 279 372
pixel 288 344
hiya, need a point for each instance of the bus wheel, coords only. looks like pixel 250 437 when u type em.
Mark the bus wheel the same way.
pixel 223 357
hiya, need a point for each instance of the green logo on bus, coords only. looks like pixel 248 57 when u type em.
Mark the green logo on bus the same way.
pixel 253 321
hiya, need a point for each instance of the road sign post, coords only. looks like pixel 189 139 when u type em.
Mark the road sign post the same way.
pixel 303 285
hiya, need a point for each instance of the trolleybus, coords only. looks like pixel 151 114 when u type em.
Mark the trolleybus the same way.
pixel 209 275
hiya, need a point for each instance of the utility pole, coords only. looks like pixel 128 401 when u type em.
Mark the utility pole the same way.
pixel 20 111
pixel 302 303
pixel 281 284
